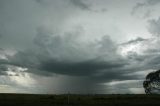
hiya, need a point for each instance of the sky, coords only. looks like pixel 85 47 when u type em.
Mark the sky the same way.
pixel 78 46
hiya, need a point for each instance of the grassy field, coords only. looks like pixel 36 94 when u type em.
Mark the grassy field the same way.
pixel 78 100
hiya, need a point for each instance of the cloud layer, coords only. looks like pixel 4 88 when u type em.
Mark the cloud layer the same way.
pixel 71 45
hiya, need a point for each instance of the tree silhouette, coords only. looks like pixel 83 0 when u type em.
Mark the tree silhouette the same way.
pixel 152 83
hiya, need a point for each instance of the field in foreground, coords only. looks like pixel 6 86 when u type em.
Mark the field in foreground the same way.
pixel 78 100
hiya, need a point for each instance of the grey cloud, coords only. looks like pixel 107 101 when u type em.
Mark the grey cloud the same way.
pixel 55 54
pixel 154 26
pixel 138 6
pixel 20 19
pixel 127 87
pixel 104 10
pixel 82 68
pixel 77 3
pixel 149 59
pixel 55 51
pixel 67 56
pixel 115 75
pixel 147 14
pixel 80 4
pixel 63 55
pixel 145 5
pixel 3 61
pixel 3 70
pixel 6 68
pixel 152 2
pixel 98 70
pixel 137 40
pixel 39 1
pixel 154 62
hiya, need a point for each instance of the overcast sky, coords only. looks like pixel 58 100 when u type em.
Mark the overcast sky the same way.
pixel 78 46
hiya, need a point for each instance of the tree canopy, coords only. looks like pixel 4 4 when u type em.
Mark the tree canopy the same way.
pixel 152 83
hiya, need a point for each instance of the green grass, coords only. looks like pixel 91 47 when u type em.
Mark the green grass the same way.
pixel 78 100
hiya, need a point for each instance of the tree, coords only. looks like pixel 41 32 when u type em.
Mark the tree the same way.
pixel 152 83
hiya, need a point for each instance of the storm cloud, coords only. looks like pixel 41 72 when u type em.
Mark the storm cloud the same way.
pixel 67 55
pixel 60 46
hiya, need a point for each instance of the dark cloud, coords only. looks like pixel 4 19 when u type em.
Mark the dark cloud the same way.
pixel 137 40
pixel 98 70
pixel 80 4
pixel 3 70
pixel 86 68
pixel 3 61
pixel 56 54
pixel 68 57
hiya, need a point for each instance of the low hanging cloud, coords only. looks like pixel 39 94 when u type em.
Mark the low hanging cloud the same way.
pixel 67 55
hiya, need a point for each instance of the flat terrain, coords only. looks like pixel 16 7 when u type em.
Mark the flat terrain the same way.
pixel 78 100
